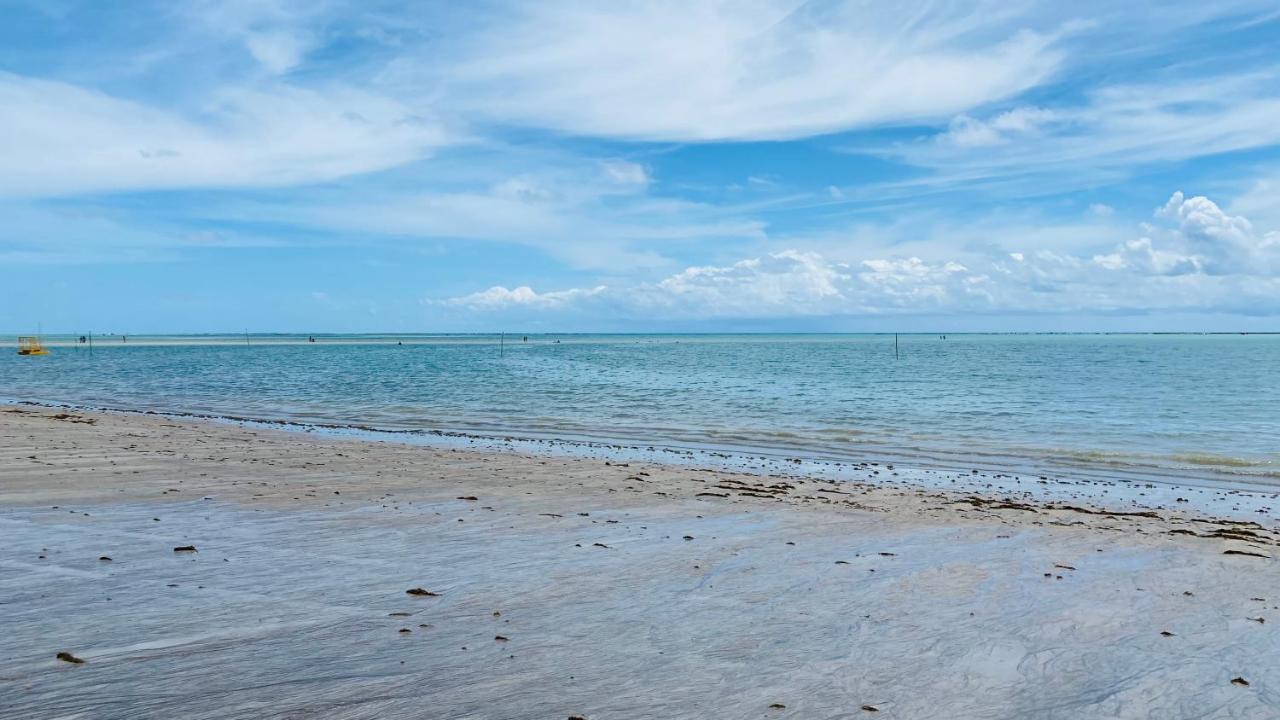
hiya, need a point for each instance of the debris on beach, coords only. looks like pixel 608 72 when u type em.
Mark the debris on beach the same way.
pixel 1240 681
pixel 1166 633
pixel 422 592
pixel 68 657
pixel 185 548
pixel 777 706
pixel 871 708
pixel 500 638
pixel 104 558
pixel 1246 552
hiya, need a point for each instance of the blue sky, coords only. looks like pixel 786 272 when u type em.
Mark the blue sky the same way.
pixel 650 166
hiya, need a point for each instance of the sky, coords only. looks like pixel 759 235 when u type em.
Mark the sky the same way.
pixel 693 165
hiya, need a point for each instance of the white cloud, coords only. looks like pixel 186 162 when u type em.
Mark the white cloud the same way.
pixel 694 70
pixel 61 139
pixel 58 234
pixel 588 213
pixel 279 52
pixel 274 32
pixel 787 281
pixel 1113 130
pixel 1261 201
pixel 627 174
pixel 1141 256
pixel 1221 243
pixel 499 297
pixel 1200 259
pixel 967 132
pixel 1201 239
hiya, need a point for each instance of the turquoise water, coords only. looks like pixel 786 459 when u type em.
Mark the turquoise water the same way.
pixel 1156 405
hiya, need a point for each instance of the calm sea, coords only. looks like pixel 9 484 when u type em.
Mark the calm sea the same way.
pixel 1154 405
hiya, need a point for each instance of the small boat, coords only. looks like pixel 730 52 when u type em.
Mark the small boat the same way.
pixel 31 345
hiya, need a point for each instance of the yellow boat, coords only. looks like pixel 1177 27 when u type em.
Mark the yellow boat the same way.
pixel 30 345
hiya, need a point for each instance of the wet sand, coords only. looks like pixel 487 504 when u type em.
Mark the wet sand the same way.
pixel 561 587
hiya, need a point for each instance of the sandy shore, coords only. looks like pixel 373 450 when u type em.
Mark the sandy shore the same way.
pixel 575 587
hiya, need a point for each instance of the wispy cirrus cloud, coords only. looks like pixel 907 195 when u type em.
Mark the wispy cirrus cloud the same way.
pixel 278 34
pixel 587 213
pixel 62 139
pixel 1112 132
pixel 712 70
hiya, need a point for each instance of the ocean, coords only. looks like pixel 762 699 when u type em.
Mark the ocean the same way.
pixel 1136 406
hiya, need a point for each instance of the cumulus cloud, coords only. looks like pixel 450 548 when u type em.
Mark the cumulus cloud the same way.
pixel 786 282
pixel 783 284
pixel 499 297
pixel 1202 238
pixel 1197 258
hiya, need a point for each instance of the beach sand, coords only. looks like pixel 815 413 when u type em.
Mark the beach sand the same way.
pixel 569 587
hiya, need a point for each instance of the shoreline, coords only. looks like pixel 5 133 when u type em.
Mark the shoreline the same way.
pixel 1128 409
pixel 1109 487
pixel 619 589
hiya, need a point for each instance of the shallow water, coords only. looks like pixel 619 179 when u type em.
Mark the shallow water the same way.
pixel 1179 405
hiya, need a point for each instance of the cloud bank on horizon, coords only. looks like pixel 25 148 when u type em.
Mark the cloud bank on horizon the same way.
pixel 769 164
